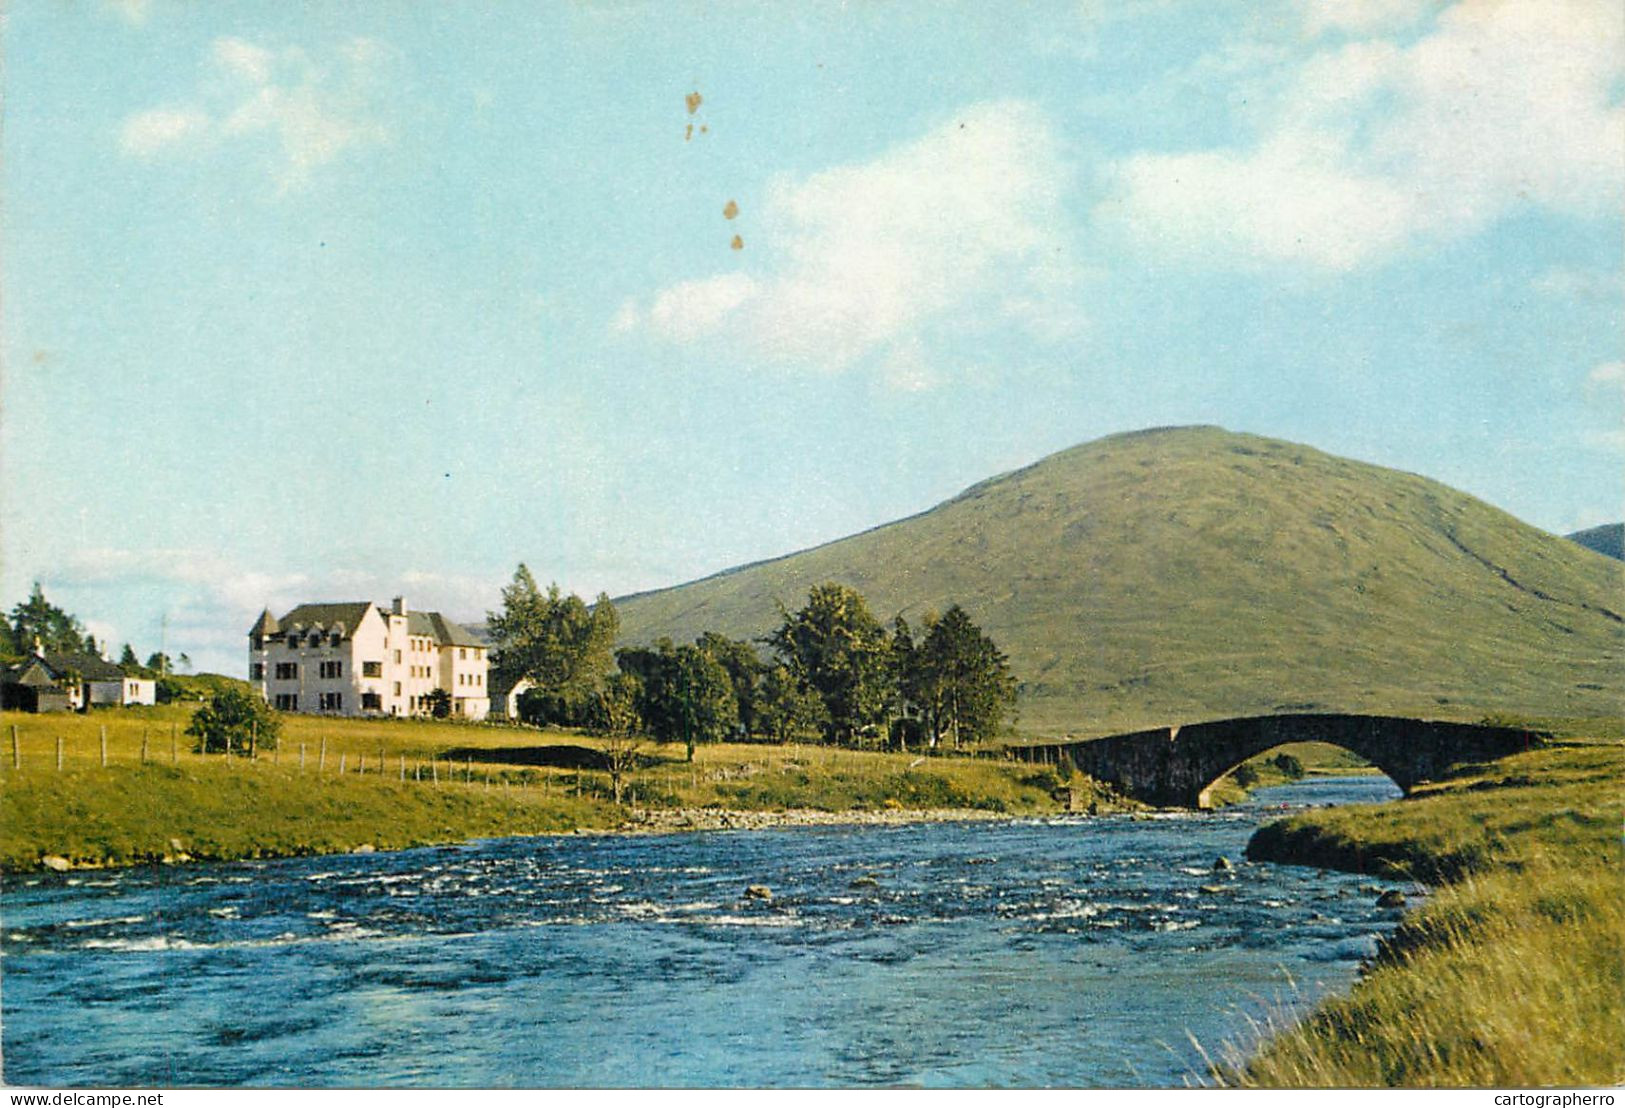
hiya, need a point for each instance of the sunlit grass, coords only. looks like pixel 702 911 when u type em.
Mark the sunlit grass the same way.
pixel 1513 972
pixel 332 784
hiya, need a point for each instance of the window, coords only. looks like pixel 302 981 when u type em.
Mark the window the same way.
pixel 371 702
pixel 333 639
pixel 255 642
pixel 256 671
pixel 397 688
pixel 461 654
pixel 331 670
pixel 287 702
pixel 372 669
pixel 397 657
pixel 292 642
pixel 332 701
pixel 287 671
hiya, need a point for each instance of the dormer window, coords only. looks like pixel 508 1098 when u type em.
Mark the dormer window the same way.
pixel 333 639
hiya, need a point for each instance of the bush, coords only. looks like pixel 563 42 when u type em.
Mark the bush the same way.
pixel 233 720
pixel 1288 765
pixel 1246 776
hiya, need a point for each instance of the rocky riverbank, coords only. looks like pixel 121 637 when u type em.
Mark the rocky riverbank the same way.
pixel 666 820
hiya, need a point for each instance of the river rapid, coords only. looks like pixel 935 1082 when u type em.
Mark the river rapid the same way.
pixel 1058 952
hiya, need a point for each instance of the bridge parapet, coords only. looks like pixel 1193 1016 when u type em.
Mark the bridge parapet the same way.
pixel 1175 767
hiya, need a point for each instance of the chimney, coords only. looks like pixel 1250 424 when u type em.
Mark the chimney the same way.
pixel 39 648
pixel 399 607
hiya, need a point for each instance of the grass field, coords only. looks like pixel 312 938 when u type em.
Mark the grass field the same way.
pixel 1513 972
pixel 334 784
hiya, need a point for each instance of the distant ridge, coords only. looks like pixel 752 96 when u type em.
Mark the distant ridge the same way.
pixel 1608 539
pixel 1178 574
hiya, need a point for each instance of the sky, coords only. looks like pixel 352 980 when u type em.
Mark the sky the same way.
pixel 318 301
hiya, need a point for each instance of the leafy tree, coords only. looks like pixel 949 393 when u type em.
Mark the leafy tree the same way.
pixel 960 680
pixel 438 701
pixel 1288 765
pixel 835 647
pixel 128 661
pixel 160 663
pixel 555 640
pixel 744 668
pixel 613 715
pixel 235 715
pixel 9 647
pixel 687 696
pixel 38 618
pixel 784 706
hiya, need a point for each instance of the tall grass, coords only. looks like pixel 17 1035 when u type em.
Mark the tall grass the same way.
pixel 1513 972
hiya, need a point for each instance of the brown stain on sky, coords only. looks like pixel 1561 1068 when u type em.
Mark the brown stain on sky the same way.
pixel 693 100
pixel 738 243
pixel 730 211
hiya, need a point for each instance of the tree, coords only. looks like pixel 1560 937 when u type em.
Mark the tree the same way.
pixel 835 647
pixel 686 695
pixel 438 701
pixel 613 715
pixel 160 663
pixel 237 717
pixel 960 680
pixel 90 646
pixel 38 618
pixel 128 661
pixel 744 668
pixel 557 641
pixel 784 706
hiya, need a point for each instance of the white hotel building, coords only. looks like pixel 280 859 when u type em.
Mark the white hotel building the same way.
pixel 357 659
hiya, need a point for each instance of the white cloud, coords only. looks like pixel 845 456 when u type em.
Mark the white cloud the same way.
pixel 627 317
pixel 134 12
pixel 1364 16
pixel 314 109
pixel 1375 147
pixel 150 132
pixel 1608 373
pixel 210 600
pixel 962 224
pixel 694 308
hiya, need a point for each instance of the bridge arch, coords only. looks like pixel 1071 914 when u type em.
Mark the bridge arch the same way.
pixel 1176 767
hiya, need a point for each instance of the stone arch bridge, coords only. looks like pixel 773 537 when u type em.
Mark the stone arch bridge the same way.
pixel 1175 767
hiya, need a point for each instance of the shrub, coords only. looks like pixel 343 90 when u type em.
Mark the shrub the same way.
pixel 233 719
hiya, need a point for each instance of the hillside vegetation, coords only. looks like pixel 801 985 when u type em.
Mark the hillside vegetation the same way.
pixel 1192 573
pixel 1607 539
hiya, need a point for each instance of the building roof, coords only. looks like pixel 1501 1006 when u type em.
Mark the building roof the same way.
pixel 444 630
pixel 265 625
pixel 33 671
pixel 326 617
pixel 88 666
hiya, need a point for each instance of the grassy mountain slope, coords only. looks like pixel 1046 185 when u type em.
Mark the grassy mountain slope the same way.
pixel 1608 539
pixel 1192 573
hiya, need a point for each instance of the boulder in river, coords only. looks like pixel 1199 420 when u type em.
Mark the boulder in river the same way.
pixel 867 881
pixel 56 862
pixel 1391 898
pixel 1221 863
pixel 758 892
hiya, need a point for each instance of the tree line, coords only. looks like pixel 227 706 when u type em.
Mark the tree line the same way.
pixel 833 671
pixel 58 631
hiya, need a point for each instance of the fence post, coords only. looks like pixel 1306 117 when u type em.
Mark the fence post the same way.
pixel 342 755
pixel 59 753
pixel 253 739
pixel 174 747
pixel 301 757
pixel 434 771
pixel 16 751
pixel 228 750
pixel 276 755
pixel 468 770
pixel 403 767
pixel 104 745
pixel 143 746
pixel 321 758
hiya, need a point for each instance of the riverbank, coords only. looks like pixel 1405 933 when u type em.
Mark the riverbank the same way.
pixel 1510 974
pixel 339 785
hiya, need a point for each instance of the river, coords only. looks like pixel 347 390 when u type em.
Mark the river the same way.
pixel 1059 952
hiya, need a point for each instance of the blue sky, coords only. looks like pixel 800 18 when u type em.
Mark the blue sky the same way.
pixel 333 301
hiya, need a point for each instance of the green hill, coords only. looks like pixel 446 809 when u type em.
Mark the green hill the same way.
pixel 1608 539
pixel 1174 575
